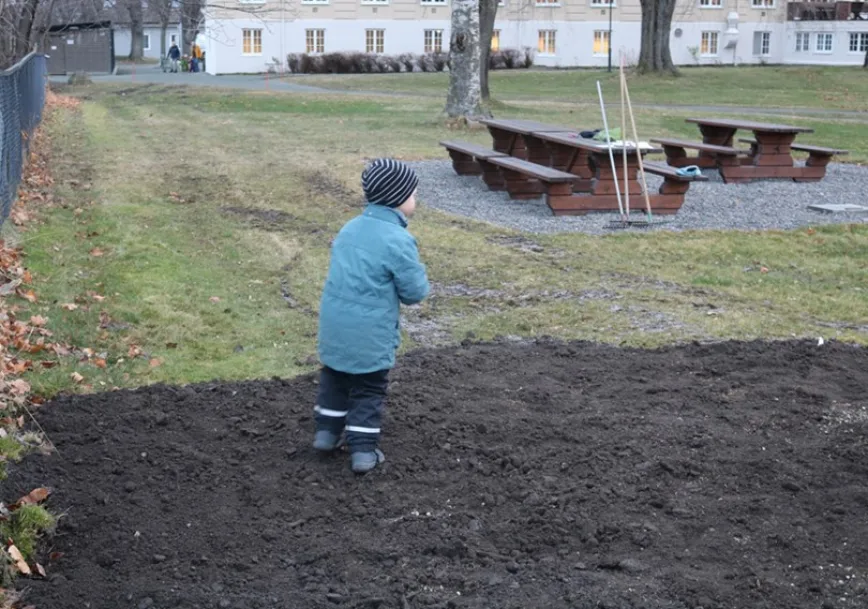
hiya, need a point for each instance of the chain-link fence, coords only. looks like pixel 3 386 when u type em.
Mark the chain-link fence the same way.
pixel 22 96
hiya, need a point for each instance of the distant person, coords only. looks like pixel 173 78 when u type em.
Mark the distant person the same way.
pixel 174 56
pixel 374 268
pixel 197 57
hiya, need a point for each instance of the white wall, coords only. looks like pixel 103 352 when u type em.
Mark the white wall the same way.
pixel 123 39
pixel 840 54
pixel 574 41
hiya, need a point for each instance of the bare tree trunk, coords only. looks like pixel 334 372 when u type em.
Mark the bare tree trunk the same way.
pixel 191 17
pixel 865 63
pixel 25 27
pixel 137 29
pixel 487 15
pixel 464 99
pixel 164 27
pixel 655 55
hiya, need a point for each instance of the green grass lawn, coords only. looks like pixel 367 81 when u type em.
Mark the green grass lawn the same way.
pixel 831 88
pixel 206 229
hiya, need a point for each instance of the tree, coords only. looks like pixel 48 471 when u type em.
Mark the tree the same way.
pixel 163 8
pixel 137 28
pixel 655 55
pixel 464 99
pixel 865 63
pixel 191 19
pixel 487 15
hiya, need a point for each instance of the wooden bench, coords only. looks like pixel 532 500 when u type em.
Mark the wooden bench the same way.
pixel 473 160
pixel 673 189
pixel 818 156
pixel 543 180
pixel 710 155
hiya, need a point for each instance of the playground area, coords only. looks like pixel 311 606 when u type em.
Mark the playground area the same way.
pixel 518 474
pixel 661 418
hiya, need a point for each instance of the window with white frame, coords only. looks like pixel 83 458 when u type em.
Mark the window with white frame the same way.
pixel 546 44
pixel 146 42
pixel 762 43
pixel 375 1
pixel 434 2
pixel 314 41
pixel 495 40
pixel 605 3
pixel 601 42
pixel 251 42
pixel 710 3
pixel 433 41
pixel 173 39
pixel 708 44
pixel 548 2
pixel 375 41
pixel 314 1
pixel 762 3
pixel 859 42
pixel 824 42
pixel 803 42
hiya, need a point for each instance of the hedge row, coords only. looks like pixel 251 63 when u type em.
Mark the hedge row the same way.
pixel 368 63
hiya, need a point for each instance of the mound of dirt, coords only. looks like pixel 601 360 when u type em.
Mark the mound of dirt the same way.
pixel 543 475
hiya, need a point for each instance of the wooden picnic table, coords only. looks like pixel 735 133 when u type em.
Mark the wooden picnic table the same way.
pixel 516 137
pixel 770 156
pixel 589 160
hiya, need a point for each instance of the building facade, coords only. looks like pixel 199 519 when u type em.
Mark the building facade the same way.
pixel 124 39
pixel 257 35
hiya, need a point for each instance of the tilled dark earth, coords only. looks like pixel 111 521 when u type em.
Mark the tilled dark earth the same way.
pixel 542 475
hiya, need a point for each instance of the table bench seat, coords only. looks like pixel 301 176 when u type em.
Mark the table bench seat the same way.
pixel 470 159
pixel 544 180
pixel 710 155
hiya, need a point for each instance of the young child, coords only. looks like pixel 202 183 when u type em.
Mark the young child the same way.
pixel 374 268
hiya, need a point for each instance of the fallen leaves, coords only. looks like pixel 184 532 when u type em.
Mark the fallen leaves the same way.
pixel 18 559
pixel 37 495
pixel 214 299
pixel 97 252
pixel 155 362
pixel 75 376
pixel 69 306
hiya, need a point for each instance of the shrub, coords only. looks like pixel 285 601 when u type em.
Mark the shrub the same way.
pixel 350 62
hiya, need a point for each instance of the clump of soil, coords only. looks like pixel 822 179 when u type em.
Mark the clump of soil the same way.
pixel 520 475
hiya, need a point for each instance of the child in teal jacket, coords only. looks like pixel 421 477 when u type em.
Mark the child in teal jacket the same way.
pixel 374 268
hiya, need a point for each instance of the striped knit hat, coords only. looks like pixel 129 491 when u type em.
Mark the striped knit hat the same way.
pixel 388 182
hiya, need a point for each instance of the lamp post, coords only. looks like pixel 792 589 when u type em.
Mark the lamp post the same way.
pixel 609 41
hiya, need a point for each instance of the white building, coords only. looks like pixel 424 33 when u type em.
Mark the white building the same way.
pixel 564 33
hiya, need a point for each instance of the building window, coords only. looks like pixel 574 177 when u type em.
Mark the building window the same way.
pixel 859 42
pixel 173 39
pixel 495 40
pixel 762 3
pixel 314 41
pixel 601 42
pixel 375 41
pixel 252 42
pixel 824 43
pixel 708 48
pixel 605 3
pixel 711 3
pixel 548 2
pixel 762 43
pixel 803 41
pixel 375 1
pixel 546 42
pixel 146 42
pixel 314 1
pixel 435 2
pixel 433 41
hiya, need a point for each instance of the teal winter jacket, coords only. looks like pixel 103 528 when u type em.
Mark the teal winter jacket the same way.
pixel 374 268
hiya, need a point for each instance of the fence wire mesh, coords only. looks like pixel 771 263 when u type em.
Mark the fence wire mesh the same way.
pixel 22 97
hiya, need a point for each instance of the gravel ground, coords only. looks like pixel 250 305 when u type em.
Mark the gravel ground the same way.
pixel 761 205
